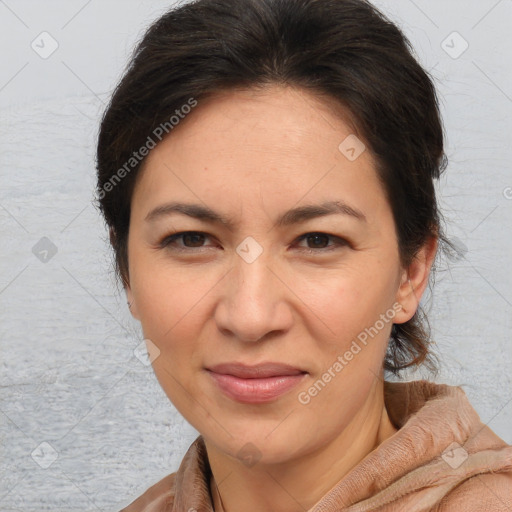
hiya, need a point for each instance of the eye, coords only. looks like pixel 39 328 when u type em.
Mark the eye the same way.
pixel 194 241
pixel 191 240
pixel 319 241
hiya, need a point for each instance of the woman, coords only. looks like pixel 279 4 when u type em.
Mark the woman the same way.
pixel 266 171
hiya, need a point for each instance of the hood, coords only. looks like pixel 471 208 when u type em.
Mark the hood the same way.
pixel 441 458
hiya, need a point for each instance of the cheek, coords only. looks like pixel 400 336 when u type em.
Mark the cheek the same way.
pixel 348 300
pixel 167 297
pixel 170 306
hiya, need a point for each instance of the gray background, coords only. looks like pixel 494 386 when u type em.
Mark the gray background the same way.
pixel 69 378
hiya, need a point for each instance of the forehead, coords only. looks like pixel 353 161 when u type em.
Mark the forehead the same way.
pixel 290 110
pixel 269 146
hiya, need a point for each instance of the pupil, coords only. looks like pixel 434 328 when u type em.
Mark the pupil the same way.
pixel 193 236
pixel 316 238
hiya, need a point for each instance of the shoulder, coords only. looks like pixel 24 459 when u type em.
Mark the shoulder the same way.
pixel 488 491
pixel 158 498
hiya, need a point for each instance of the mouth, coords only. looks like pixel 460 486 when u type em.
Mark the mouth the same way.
pixel 259 371
pixel 255 384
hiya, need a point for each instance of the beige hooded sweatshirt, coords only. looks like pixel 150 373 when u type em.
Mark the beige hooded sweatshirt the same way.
pixel 442 458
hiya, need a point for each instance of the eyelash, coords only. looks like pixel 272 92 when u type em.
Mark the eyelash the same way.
pixel 170 239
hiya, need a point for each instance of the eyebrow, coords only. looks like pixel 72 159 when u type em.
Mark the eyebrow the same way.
pixel 288 218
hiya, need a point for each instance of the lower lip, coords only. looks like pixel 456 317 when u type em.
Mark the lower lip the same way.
pixel 255 391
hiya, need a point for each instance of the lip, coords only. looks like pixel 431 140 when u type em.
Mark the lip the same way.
pixel 258 371
pixel 255 384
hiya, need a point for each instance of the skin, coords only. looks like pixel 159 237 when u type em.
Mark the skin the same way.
pixel 251 155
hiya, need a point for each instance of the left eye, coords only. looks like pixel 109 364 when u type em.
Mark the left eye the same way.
pixel 318 239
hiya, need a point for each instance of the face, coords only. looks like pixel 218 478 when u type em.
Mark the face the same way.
pixel 284 277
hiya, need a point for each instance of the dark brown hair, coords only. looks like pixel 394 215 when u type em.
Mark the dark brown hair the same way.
pixel 341 50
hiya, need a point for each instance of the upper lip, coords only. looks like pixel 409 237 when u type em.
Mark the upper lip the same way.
pixel 261 371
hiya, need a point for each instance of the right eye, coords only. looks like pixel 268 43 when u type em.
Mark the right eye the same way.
pixel 190 241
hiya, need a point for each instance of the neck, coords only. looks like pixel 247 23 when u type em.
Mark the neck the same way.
pixel 295 486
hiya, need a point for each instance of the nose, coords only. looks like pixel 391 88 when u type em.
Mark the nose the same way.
pixel 254 303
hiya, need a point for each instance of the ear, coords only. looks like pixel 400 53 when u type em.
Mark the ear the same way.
pixel 132 306
pixel 125 280
pixel 414 280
